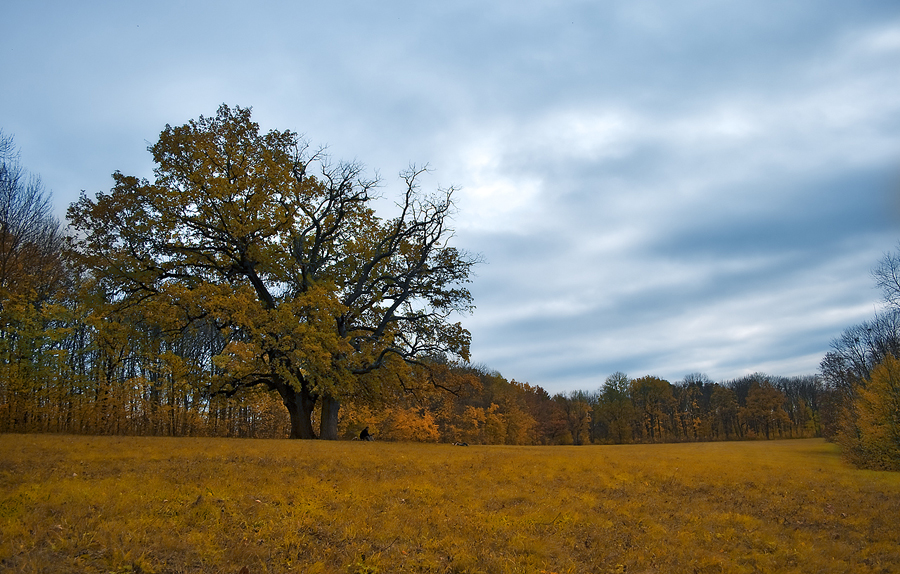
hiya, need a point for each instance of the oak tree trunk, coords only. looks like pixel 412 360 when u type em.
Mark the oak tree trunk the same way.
pixel 300 405
pixel 328 427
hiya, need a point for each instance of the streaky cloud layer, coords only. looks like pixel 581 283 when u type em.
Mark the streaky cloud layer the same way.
pixel 656 188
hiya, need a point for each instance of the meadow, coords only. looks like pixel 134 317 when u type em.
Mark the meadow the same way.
pixel 185 505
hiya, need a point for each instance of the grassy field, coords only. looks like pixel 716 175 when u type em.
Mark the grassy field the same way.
pixel 109 504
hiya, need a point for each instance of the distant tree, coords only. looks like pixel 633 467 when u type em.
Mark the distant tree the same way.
pixel 764 412
pixel 887 277
pixel 34 281
pixel 506 409
pixel 724 412
pixel 577 406
pixel 549 418
pixel 655 407
pixel 859 348
pixel 741 386
pixel 520 424
pixel 31 238
pixel 692 396
pixel 802 402
pixel 315 296
pixel 614 412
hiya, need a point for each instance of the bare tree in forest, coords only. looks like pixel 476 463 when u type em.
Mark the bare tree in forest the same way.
pixel 887 277
pixel 30 236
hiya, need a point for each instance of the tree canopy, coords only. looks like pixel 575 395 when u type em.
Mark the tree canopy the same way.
pixel 280 251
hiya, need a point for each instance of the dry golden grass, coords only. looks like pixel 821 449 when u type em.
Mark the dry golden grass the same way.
pixel 105 504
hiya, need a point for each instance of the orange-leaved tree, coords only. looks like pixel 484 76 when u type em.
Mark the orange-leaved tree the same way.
pixel 282 251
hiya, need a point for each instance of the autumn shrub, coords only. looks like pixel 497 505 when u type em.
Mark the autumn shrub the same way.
pixel 409 424
pixel 871 428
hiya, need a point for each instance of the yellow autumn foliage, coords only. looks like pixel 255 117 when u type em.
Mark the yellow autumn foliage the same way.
pixel 871 434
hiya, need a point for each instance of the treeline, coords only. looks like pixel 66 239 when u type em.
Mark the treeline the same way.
pixel 493 410
pixel 80 378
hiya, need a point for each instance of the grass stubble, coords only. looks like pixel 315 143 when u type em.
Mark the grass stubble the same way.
pixel 158 505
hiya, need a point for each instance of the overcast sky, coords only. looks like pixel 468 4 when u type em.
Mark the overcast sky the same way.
pixel 656 187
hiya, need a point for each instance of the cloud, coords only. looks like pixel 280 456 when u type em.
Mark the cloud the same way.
pixel 728 237
pixel 656 187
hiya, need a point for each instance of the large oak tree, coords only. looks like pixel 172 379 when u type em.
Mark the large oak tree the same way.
pixel 316 296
